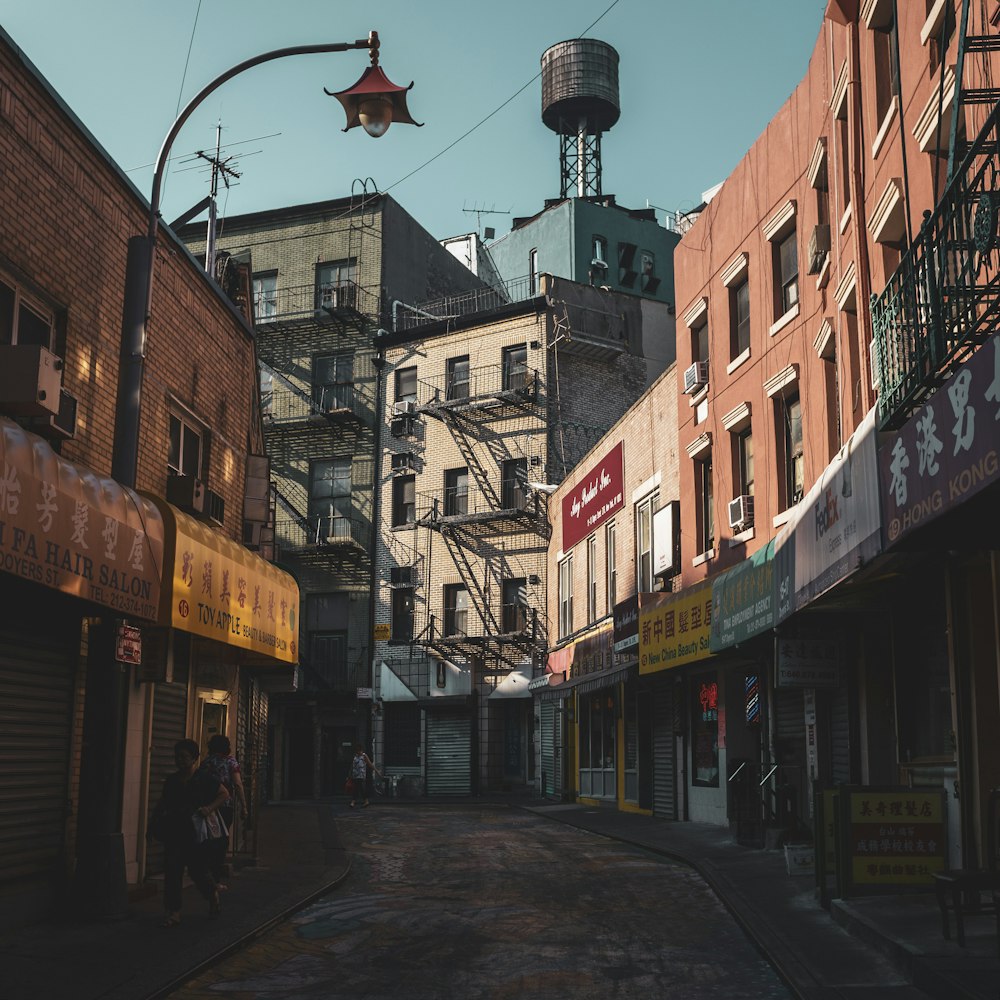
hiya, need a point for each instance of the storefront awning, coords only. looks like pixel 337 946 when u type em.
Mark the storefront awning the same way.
pixel 65 527
pixel 216 589
pixel 589 682
pixel 514 685
pixel 391 688
pixel 674 629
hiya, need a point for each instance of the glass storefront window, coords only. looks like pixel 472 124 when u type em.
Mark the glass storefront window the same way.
pixel 597 743
pixel 705 731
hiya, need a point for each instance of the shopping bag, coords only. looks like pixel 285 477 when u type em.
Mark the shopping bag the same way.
pixel 349 786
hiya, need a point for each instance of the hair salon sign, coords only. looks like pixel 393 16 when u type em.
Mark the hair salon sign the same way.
pixel 597 497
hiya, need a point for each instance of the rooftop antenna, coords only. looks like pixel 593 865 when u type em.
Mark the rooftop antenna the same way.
pixel 221 170
pixel 479 211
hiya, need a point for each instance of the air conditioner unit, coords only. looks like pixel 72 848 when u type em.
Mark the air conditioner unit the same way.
pixel 215 507
pixel 30 380
pixel 57 426
pixel 695 376
pixel 741 513
pixel 819 247
pixel 401 576
pixel 402 427
pixel 873 361
pixel 186 492
pixel 404 406
pixel 402 462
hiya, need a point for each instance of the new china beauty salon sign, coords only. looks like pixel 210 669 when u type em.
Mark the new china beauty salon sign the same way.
pixel 597 497
pixel 948 451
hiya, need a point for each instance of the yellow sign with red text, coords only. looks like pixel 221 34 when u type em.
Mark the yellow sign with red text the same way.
pixel 674 629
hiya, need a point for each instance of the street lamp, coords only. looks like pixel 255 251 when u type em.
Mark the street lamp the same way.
pixel 374 102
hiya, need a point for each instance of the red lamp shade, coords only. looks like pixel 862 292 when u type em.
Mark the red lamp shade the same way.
pixel 374 103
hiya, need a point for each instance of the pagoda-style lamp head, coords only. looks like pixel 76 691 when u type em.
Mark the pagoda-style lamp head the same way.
pixel 374 102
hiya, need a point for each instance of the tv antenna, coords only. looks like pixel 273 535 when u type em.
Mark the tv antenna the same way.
pixel 479 211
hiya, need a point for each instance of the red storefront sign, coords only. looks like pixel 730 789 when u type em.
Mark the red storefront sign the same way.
pixel 597 497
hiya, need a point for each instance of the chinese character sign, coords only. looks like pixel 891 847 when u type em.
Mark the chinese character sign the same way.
pixel 598 496
pixel 948 450
pixel 674 628
pixel 893 837
pixel 64 527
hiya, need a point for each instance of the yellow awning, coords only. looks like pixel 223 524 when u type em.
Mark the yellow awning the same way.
pixel 215 588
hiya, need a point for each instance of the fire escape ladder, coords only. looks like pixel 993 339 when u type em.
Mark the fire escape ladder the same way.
pixel 460 432
pixel 988 96
pixel 291 510
pixel 470 579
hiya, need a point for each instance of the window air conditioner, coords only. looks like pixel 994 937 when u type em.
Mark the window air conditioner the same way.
pixel 402 462
pixel 741 513
pixel 695 376
pixel 30 380
pixel 186 492
pixel 402 407
pixel 401 427
pixel 59 426
pixel 401 576
pixel 819 247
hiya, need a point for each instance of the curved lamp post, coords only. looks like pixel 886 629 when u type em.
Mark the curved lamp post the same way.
pixel 374 102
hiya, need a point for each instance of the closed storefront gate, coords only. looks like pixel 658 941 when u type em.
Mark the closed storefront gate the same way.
pixel 547 723
pixel 36 692
pixel 664 758
pixel 449 754
pixel 169 724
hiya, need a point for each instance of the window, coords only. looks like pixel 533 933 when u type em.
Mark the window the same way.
pixel 457 376
pixel 333 381
pixel 456 610
pixel 330 498
pixel 785 255
pixel 644 543
pixel 456 492
pixel 886 69
pixel 328 658
pixel 592 578
pixel 599 250
pixel 699 340
pixel 609 544
pixel 565 597
pixel 515 607
pixel 185 455
pixel 739 306
pixel 743 473
pixel 402 614
pixel 705 500
pixel 337 284
pixel 515 367
pixel 788 417
pixel 649 282
pixel 514 479
pixel 23 321
pixel 406 385
pixel 845 167
pixel 404 500
pixel 533 272
pixel 265 295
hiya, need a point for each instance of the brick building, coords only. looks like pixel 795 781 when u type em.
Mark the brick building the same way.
pixel 91 568
pixel 326 276
pixel 486 414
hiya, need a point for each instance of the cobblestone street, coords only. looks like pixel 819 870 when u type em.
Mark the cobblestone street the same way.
pixel 474 902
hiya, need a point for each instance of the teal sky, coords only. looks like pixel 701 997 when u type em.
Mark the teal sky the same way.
pixel 699 80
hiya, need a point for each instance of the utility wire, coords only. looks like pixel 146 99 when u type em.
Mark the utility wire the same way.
pixel 495 111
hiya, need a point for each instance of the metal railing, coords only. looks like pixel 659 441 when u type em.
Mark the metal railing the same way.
pixel 456 505
pixel 315 301
pixel 283 404
pixel 944 298
pixel 318 531
pixel 478 300
pixel 512 383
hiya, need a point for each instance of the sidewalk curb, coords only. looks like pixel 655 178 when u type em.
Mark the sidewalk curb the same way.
pixel 248 938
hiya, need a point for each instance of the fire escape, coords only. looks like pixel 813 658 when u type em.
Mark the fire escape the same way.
pixel 943 301
pixel 496 417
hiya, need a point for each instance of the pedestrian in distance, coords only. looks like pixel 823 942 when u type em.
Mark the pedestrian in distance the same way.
pixel 190 797
pixel 359 775
pixel 224 768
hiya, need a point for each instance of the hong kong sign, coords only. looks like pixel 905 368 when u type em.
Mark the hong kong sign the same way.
pixel 65 527
pixel 947 452
pixel 596 498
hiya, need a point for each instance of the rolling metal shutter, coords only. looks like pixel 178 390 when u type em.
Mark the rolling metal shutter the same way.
pixel 548 735
pixel 664 765
pixel 840 737
pixel 169 723
pixel 449 754
pixel 36 703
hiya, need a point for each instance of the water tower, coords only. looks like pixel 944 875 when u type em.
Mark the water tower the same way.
pixel 579 102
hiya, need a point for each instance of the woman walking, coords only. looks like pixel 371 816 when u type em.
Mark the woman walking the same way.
pixel 188 795
pixel 225 769
pixel 359 775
